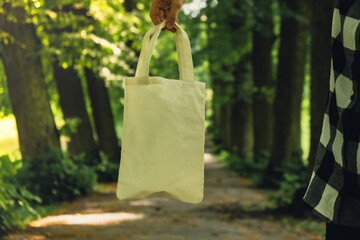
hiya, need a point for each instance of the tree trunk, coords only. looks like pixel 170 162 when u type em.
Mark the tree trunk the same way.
pixel 103 117
pixel 289 87
pixel 242 115
pixel 320 71
pixel 216 113
pixel 222 112
pixel 226 125
pixel 215 86
pixel 233 118
pixel 73 106
pixel 129 5
pixel 263 39
pixel 242 132
pixel 320 32
pixel 28 94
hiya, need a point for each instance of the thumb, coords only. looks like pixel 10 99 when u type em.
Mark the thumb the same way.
pixel 172 16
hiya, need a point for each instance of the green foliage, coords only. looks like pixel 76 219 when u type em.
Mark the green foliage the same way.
pixel 164 61
pixel 13 197
pixel 55 178
pixel 212 132
pixel 41 211
pixel 49 178
pixel 106 170
pixel 96 34
pixel 293 175
pixel 70 126
pixel 294 178
pixel 229 36
pixel 266 93
pixel 245 167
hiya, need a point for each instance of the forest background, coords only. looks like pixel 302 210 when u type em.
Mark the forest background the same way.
pixel 266 64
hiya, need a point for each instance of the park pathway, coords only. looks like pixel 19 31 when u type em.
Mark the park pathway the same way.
pixel 231 210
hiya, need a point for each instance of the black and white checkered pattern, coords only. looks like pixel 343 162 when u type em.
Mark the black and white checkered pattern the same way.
pixel 334 189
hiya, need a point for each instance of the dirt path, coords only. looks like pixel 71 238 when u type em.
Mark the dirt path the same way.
pixel 231 210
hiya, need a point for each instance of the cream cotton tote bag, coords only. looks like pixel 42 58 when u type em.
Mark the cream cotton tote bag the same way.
pixel 163 129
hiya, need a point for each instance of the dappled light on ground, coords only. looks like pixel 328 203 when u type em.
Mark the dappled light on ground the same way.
pixel 37 237
pixel 86 219
pixel 207 157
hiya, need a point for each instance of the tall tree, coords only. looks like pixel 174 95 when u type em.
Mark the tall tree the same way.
pixel 230 67
pixel 320 32
pixel 102 114
pixel 320 70
pixel 101 107
pixel 68 83
pixel 28 94
pixel 290 81
pixel 263 39
pixel 73 106
pixel 242 133
pixel 98 92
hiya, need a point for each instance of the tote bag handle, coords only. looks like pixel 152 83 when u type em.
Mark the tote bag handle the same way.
pixel 186 69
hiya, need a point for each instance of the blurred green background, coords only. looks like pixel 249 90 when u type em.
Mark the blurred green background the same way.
pixel 265 63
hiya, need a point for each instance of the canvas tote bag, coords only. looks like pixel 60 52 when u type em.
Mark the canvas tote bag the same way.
pixel 163 129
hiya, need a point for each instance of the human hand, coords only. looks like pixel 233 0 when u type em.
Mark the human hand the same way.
pixel 168 10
